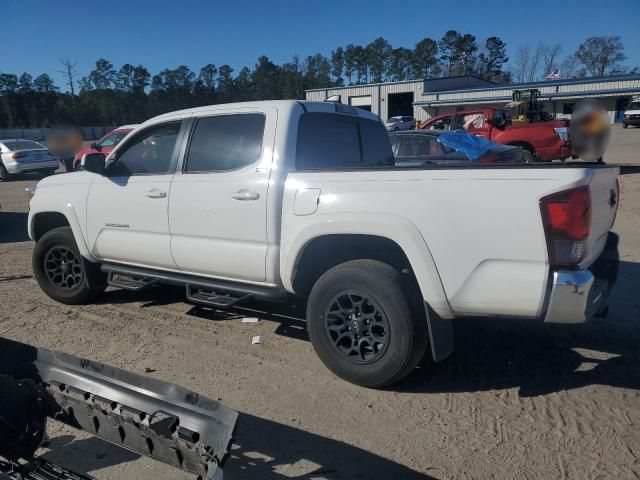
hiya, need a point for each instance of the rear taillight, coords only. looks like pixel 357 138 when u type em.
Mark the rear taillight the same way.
pixel 567 221
pixel 18 155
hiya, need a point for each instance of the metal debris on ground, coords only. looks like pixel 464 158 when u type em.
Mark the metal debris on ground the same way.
pixel 257 339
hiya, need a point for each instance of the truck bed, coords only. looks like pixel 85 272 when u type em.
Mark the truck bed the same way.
pixel 479 226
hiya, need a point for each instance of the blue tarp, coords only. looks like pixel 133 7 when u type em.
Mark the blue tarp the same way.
pixel 472 146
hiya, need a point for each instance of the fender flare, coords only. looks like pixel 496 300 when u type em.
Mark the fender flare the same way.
pixel 407 236
pixel 72 218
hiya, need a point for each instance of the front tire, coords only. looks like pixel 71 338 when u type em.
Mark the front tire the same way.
pixel 624 125
pixel 365 324
pixel 60 269
pixel 528 156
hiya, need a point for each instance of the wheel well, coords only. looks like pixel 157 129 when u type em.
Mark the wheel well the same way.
pixel 45 221
pixel 524 145
pixel 324 253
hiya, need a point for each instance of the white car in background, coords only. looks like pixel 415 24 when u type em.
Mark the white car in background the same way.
pixel 395 124
pixel 22 156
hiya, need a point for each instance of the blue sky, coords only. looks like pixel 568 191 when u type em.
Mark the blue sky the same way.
pixel 158 34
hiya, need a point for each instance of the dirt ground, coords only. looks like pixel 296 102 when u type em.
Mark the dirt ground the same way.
pixel 518 399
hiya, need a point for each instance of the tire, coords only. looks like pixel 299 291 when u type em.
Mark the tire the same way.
pixel 60 269
pixel 624 125
pixel 386 296
pixel 528 156
pixel 4 175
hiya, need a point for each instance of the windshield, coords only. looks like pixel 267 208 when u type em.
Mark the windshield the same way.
pixel 634 106
pixel 112 139
pixel 395 119
pixel 17 145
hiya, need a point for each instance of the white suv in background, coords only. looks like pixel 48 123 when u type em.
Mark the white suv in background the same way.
pixel 395 124
pixel 632 114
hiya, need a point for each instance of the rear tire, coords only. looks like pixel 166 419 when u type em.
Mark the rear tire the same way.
pixel 60 270
pixel 4 175
pixel 528 156
pixel 366 323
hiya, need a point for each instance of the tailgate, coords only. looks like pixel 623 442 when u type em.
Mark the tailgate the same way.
pixel 604 204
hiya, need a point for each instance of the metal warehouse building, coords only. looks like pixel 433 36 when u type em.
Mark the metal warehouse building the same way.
pixel 426 98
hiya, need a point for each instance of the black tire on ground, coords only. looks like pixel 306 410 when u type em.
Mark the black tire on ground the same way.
pixel 528 156
pixel 624 125
pixel 68 164
pixel 48 173
pixel 59 268
pixel 4 175
pixel 387 292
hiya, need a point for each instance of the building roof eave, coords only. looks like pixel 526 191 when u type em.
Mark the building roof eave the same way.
pixel 548 97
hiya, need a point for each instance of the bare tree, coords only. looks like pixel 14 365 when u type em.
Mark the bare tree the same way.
pixel 70 73
pixel 569 67
pixel 521 63
pixel 534 63
pixel 550 54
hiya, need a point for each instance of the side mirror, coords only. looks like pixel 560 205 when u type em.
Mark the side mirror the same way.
pixel 93 162
pixel 95 146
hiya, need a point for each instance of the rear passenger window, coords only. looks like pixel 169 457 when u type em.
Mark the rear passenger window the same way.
pixel 225 142
pixel 327 140
pixel 376 146
pixel 418 146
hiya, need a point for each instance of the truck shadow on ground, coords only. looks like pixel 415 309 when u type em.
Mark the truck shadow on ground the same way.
pixel 86 454
pixel 489 353
pixel 13 227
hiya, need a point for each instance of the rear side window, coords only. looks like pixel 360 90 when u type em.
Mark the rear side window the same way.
pixel 225 142
pixel 17 145
pixel 418 146
pixel 327 140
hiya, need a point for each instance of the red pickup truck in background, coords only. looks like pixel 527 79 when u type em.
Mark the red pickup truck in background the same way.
pixel 540 141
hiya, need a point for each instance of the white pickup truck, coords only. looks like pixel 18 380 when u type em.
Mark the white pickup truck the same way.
pixel 273 199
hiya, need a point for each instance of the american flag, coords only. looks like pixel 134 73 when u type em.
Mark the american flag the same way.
pixel 553 75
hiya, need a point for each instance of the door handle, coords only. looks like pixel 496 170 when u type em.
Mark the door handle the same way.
pixel 245 194
pixel 155 193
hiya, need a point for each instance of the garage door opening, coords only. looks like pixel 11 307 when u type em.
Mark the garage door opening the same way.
pixel 363 102
pixel 400 104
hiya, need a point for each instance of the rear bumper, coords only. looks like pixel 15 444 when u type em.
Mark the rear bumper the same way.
pixel 21 167
pixel 578 295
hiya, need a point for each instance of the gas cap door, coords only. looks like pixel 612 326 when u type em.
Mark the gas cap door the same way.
pixel 306 201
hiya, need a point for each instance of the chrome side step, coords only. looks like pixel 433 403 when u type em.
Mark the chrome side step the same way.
pixel 214 299
pixel 127 282
pixel 219 287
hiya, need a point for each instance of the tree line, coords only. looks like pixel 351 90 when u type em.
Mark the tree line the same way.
pixel 131 94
